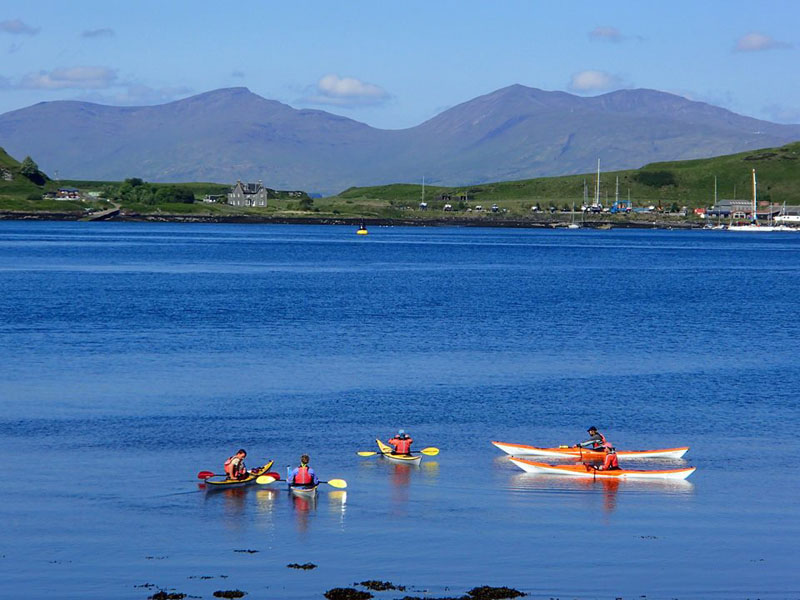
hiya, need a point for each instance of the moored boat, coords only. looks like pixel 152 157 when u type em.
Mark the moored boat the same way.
pixel 406 459
pixel 221 482
pixel 584 454
pixel 585 471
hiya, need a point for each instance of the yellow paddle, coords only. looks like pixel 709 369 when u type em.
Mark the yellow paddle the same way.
pixel 426 451
pixel 267 479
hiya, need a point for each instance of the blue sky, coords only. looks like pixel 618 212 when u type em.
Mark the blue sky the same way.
pixel 395 64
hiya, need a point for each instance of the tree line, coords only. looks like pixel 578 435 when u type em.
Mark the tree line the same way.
pixel 136 190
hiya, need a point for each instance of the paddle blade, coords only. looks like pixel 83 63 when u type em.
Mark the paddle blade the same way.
pixel 337 483
pixel 430 451
pixel 366 453
pixel 265 479
pixel 205 474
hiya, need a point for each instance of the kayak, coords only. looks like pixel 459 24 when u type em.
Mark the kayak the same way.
pixel 303 491
pixel 584 454
pixel 215 483
pixel 406 459
pixel 530 466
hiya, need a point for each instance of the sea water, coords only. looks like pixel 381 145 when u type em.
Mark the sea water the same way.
pixel 135 355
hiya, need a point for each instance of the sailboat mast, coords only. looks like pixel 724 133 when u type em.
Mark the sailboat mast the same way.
pixel 423 188
pixel 597 185
pixel 755 216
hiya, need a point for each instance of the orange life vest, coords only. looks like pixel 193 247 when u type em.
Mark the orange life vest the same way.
pixel 401 445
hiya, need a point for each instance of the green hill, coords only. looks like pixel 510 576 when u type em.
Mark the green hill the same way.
pixel 685 183
pixel 12 183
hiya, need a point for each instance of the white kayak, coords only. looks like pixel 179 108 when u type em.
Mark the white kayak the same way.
pixel 584 454
pixel 587 471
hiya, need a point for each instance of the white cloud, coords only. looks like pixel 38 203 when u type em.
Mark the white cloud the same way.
pixel 593 81
pixel 98 33
pixel 82 78
pixel 17 27
pixel 346 91
pixel 606 34
pixel 756 42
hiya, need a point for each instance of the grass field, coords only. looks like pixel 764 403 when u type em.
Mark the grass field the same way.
pixel 668 184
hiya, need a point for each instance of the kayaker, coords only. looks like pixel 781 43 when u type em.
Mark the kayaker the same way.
pixel 303 475
pixel 597 441
pixel 611 462
pixel 401 443
pixel 234 466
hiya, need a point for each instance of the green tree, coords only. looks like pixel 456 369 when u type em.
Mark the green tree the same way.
pixel 29 168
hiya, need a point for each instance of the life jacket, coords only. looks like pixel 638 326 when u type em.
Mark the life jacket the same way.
pixel 234 469
pixel 303 477
pixel 611 462
pixel 602 444
pixel 401 445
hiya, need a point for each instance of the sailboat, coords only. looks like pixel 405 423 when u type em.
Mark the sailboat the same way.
pixel 573 224
pixel 754 225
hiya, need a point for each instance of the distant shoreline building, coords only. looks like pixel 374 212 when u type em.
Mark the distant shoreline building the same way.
pixel 248 194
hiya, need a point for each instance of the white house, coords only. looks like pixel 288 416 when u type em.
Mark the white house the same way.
pixel 248 194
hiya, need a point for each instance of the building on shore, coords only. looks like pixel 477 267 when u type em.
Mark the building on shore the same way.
pixel 248 194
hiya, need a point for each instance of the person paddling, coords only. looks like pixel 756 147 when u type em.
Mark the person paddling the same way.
pixel 597 441
pixel 611 462
pixel 401 443
pixel 234 466
pixel 303 476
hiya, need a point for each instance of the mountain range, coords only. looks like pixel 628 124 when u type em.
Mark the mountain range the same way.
pixel 513 133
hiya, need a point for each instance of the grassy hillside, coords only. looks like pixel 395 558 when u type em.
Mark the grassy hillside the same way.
pixel 19 187
pixel 685 183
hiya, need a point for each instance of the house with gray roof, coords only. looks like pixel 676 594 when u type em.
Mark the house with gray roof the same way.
pixel 248 194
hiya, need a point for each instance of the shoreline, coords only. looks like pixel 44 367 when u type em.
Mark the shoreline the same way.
pixel 352 221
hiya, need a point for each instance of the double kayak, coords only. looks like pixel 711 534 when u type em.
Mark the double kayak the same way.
pixel 221 482
pixel 530 466
pixel 584 454
pixel 406 459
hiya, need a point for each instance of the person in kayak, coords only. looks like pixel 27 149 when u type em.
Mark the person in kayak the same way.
pixel 303 475
pixel 234 466
pixel 597 441
pixel 611 462
pixel 401 443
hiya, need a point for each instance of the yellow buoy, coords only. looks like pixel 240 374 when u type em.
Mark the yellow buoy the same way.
pixel 362 231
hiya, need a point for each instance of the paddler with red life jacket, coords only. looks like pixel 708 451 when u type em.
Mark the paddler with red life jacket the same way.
pixel 597 441
pixel 303 476
pixel 611 462
pixel 401 443
pixel 234 466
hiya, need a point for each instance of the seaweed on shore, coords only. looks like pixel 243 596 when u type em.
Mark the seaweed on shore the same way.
pixel 347 594
pixel 381 586
pixel 229 594
pixel 484 592
pixel 305 566
pixel 162 595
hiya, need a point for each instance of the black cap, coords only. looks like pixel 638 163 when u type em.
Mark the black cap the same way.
pixel 592 428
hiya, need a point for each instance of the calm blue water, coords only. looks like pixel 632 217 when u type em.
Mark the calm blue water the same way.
pixel 135 355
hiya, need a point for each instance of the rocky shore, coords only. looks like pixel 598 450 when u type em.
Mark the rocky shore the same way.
pixel 488 221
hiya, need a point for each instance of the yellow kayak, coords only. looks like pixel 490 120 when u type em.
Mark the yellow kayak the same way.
pixel 407 459
pixel 221 482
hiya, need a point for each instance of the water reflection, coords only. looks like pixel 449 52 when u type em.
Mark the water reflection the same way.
pixel 608 488
pixel 303 507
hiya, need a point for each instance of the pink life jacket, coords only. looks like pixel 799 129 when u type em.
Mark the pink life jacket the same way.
pixel 303 477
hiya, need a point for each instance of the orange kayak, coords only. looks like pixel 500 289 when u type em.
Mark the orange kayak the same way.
pixel 584 454
pixel 530 466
